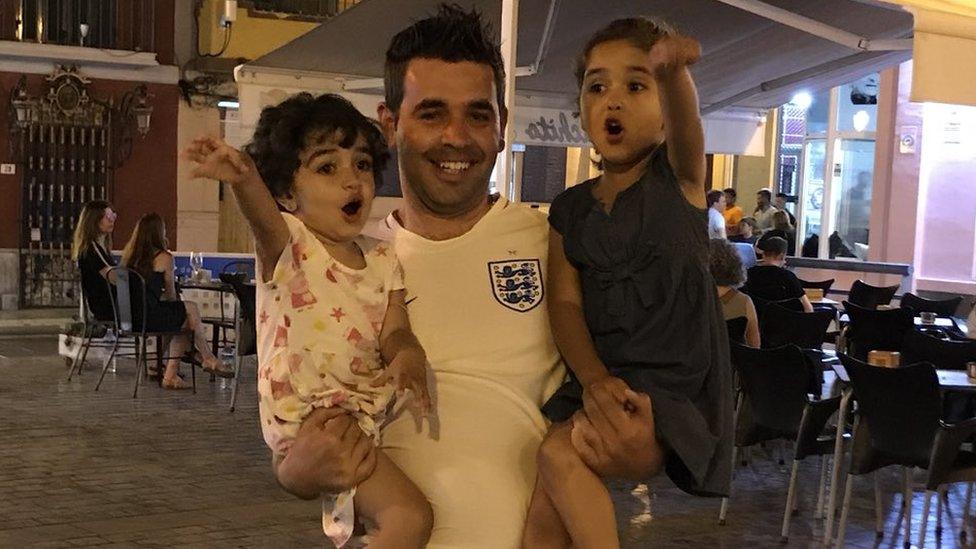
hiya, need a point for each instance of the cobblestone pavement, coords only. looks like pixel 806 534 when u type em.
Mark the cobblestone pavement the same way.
pixel 174 469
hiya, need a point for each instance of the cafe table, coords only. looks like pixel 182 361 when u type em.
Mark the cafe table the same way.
pixel 949 380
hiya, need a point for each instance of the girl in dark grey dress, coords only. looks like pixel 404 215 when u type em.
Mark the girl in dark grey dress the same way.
pixel 633 307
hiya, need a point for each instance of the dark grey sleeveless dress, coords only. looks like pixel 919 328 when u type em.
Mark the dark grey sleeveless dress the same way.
pixel 655 318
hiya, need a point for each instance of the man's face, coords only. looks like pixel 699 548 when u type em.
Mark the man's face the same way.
pixel 780 203
pixel 761 200
pixel 729 200
pixel 446 135
pixel 720 205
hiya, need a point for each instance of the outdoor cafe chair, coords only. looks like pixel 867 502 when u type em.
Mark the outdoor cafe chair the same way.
pixel 129 283
pixel 898 422
pixel 870 297
pixel 944 307
pixel 91 328
pixel 737 329
pixel 245 327
pixel 824 285
pixel 871 329
pixel 774 395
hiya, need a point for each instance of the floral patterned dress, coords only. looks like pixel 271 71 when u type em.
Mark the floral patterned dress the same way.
pixel 318 330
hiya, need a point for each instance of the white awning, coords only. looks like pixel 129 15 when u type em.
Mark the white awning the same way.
pixel 749 60
pixel 944 50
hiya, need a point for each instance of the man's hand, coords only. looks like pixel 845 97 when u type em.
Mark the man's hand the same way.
pixel 614 434
pixel 408 371
pixel 216 159
pixel 330 454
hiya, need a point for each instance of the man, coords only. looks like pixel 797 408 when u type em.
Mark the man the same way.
pixel 474 272
pixel 780 204
pixel 733 214
pixel 764 209
pixel 770 280
pixel 716 221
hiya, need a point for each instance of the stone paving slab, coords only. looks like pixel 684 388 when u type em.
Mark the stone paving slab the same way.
pixel 174 469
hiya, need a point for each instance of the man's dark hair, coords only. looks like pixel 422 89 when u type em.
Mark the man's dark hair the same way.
pixel 713 196
pixel 453 35
pixel 766 193
pixel 286 129
pixel 775 246
pixel 731 192
pixel 724 263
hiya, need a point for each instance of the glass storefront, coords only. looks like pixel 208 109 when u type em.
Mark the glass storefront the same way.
pixel 830 132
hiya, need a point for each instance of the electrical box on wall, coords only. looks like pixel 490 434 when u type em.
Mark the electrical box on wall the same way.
pixel 8 169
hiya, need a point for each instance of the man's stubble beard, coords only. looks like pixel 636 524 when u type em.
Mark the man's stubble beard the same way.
pixel 464 202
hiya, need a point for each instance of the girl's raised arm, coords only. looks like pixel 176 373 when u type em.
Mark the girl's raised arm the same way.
pixel 682 118
pixel 217 160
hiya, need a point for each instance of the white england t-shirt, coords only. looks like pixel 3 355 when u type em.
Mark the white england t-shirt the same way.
pixel 477 305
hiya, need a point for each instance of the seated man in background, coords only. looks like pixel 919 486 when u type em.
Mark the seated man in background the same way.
pixel 770 280
pixel 747 232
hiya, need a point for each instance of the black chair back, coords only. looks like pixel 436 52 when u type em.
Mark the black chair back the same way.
pixel 944 308
pixel 774 384
pixel 762 304
pixel 782 326
pixel 737 329
pixel 824 285
pixel 901 407
pixel 944 354
pixel 246 329
pixel 872 329
pixel 239 267
pixel 124 292
pixel 870 297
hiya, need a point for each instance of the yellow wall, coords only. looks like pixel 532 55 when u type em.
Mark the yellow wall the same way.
pixel 755 172
pixel 251 37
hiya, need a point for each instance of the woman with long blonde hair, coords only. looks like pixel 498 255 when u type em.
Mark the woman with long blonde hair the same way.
pixel 146 253
pixel 90 250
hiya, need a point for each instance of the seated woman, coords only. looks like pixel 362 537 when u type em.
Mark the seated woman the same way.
pixel 147 255
pixel 770 280
pixel 783 229
pixel 89 249
pixel 726 268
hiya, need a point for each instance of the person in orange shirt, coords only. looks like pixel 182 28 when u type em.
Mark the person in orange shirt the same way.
pixel 732 214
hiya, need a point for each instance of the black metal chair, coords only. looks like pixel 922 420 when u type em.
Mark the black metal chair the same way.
pixel 870 297
pixel 737 329
pixel 945 307
pixel 781 326
pixel 129 286
pixel 762 304
pixel 824 285
pixel 945 354
pixel 899 423
pixel 92 327
pixel 814 438
pixel 871 329
pixel 775 389
pixel 245 328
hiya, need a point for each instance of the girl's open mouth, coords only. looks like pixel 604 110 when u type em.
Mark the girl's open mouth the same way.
pixel 352 207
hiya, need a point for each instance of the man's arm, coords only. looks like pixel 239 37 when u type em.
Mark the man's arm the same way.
pixel 616 441
pixel 330 454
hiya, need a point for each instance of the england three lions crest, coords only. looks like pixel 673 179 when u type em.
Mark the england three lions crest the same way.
pixel 517 284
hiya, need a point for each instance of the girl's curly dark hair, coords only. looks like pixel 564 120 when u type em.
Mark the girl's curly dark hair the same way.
pixel 285 130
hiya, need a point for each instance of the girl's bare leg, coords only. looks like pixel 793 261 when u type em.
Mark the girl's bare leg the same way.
pixel 402 514
pixel 578 494
pixel 543 527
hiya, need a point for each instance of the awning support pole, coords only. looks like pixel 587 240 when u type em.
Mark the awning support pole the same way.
pixel 509 36
pixel 547 31
pixel 816 28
